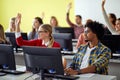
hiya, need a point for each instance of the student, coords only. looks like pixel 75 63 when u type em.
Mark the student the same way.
pixel 34 33
pixel 53 22
pixel 92 57
pixel 117 25
pixel 78 27
pixel 81 39
pixel 11 27
pixel 45 38
pixel 3 39
pixel 110 20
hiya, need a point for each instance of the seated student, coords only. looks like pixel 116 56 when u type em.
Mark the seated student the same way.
pixel 34 33
pixel 92 57
pixel 110 20
pixel 78 27
pixel 2 38
pixel 53 23
pixel 11 27
pixel 45 38
pixel 81 39
pixel 117 25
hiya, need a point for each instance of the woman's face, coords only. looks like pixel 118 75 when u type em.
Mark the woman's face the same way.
pixel 53 22
pixel 12 24
pixel 42 34
pixel 36 24
pixel 117 25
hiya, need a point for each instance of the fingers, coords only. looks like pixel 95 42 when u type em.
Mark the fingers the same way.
pixel 68 70
pixel 42 15
pixel 18 19
pixel 103 2
pixel 69 6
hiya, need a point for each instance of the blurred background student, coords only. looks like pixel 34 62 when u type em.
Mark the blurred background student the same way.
pixel 78 27
pixel 36 24
pixel 54 23
pixel 45 38
pixel 3 39
pixel 11 27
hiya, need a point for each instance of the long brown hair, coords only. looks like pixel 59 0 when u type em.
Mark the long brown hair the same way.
pixel 33 29
pixel 2 35
pixel 48 28
pixel 53 17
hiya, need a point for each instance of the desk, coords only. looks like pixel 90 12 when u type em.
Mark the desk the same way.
pixel 82 77
pixel 114 64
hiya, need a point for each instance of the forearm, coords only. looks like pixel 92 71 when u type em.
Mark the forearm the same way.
pixel 89 69
pixel 18 28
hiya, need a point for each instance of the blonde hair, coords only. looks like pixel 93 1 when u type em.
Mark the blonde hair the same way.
pixel 2 35
pixel 48 28
pixel 12 19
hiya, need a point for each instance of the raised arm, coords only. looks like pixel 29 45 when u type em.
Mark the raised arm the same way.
pixel 17 22
pixel 42 15
pixel 18 36
pixel 109 24
pixel 67 15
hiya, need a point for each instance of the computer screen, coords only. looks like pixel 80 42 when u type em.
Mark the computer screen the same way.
pixel 65 30
pixel 11 38
pixel 7 59
pixel 38 58
pixel 112 41
pixel 65 40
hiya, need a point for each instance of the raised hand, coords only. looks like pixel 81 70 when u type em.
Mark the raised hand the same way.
pixel 18 20
pixel 103 3
pixel 42 15
pixel 69 6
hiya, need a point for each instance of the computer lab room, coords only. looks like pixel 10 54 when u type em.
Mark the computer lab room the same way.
pixel 59 40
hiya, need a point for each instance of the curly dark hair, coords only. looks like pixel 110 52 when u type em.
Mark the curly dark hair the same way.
pixel 96 28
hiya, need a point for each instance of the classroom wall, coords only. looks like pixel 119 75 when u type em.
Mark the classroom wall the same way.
pixel 32 8
pixel 92 9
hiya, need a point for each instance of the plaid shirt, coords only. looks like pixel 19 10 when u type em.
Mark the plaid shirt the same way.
pixel 99 57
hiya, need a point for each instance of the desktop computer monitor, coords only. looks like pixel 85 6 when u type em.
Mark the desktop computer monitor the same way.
pixel 38 58
pixel 65 40
pixel 112 41
pixel 65 30
pixel 7 59
pixel 11 38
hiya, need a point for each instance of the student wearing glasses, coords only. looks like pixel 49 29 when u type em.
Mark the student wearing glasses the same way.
pixel 92 57
pixel 45 38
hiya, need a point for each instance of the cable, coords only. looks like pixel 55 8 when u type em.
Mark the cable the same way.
pixel 29 77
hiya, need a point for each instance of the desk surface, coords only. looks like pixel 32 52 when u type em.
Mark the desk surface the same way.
pixel 82 77
pixel 89 76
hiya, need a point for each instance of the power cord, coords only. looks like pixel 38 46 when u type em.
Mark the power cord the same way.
pixel 29 77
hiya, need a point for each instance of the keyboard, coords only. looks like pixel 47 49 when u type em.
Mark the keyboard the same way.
pixel 67 53
pixel 15 72
pixel 61 76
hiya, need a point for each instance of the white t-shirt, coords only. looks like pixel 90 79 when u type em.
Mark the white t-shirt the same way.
pixel 85 60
